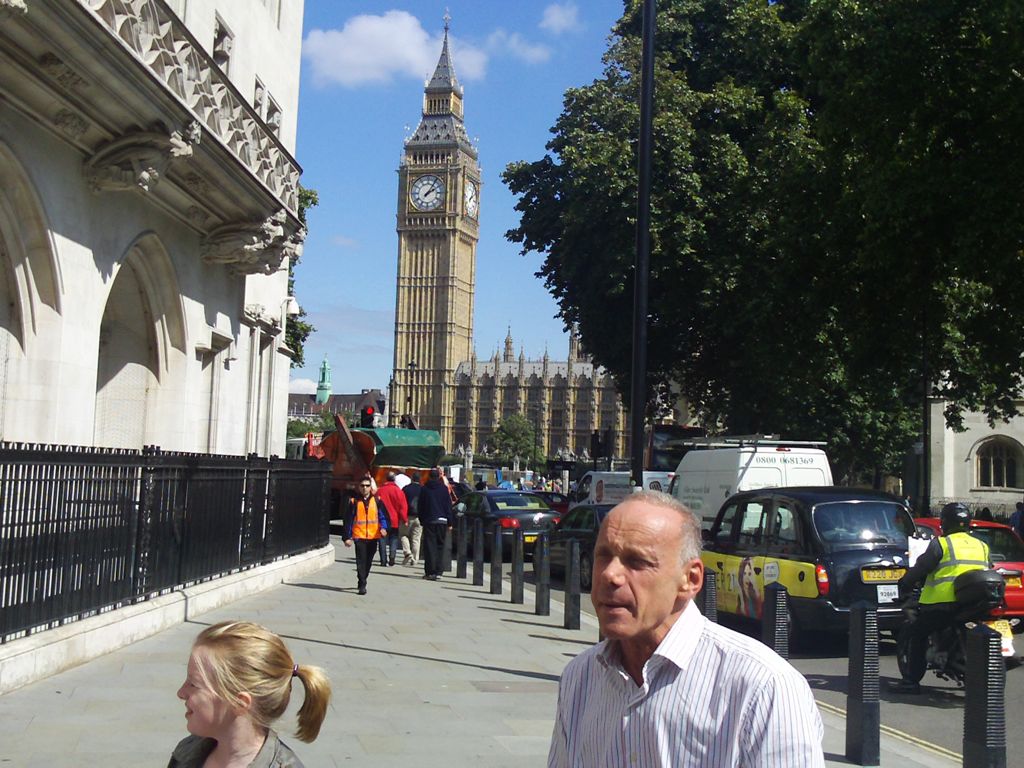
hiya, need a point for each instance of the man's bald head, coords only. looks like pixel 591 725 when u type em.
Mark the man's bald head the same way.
pixel 689 525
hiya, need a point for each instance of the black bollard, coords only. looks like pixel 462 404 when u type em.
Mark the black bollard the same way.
pixel 775 619
pixel 478 552
pixel 518 551
pixel 984 700
pixel 542 575
pixel 460 545
pixel 446 551
pixel 863 716
pixel 496 557
pixel 572 587
pixel 708 598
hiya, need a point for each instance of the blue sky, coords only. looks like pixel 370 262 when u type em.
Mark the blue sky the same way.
pixel 363 69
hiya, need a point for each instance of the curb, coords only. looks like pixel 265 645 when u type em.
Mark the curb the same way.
pixel 39 655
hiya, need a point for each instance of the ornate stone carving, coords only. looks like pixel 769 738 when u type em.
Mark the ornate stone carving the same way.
pixel 9 8
pixel 137 161
pixel 254 247
pixel 254 313
pixel 197 184
pixel 160 40
pixel 197 215
pixel 55 68
pixel 70 123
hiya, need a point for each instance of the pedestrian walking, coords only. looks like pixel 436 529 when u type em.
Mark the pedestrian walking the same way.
pixel 398 514
pixel 667 686
pixel 1017 519
pixel 366 522
pixel 412 497
pixel 435 507
pixel 239 682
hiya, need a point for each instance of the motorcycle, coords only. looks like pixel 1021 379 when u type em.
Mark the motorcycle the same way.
pixel 978 593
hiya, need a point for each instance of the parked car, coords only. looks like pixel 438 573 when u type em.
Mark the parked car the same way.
pixel 558 501
pixel 830 547
pixel 509 510
pixel 1007 552
pixel 581 523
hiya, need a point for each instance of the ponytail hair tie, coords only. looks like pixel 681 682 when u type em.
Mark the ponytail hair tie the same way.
pixel 295 671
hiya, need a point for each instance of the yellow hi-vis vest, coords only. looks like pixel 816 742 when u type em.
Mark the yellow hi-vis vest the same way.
pixel 366 521
pixel 961 553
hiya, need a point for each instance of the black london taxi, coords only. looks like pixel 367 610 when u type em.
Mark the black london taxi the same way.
pixel 830 547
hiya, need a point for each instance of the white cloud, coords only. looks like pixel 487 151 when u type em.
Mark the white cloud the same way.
pixel 513 44
pixel 301 387
pixel 378 49
pixel 560 17
pixel 344 242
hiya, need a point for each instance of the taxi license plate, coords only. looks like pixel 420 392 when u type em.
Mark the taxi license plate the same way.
pixel 529 539
pixel 875 575
pixel 1013 581
pixel 1002 626
pixel 887 593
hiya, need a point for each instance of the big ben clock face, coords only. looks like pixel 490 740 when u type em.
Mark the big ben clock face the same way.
pixel 472 198
pixel 427 193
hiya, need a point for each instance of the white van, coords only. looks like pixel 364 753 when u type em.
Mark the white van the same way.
pixel 613 487
pixel 715 469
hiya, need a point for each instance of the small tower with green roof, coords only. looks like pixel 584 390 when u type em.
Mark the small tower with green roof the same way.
pixel 323 387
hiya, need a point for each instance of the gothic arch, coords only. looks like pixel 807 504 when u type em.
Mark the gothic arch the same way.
pixel 140 357
pixel 27 243
pixel 29 281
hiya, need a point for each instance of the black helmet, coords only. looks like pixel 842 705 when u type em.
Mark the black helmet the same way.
pixel 955 517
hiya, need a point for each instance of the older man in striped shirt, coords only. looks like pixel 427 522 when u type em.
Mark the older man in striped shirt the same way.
pixel 667 687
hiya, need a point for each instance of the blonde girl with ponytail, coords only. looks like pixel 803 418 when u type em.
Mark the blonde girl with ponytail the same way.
pixel 238 683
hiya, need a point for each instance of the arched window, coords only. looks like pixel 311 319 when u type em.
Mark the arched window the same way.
pixel 999 464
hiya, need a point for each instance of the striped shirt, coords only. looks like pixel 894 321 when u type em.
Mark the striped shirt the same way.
pixel 711 698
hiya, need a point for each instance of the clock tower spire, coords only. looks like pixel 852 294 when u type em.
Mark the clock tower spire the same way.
pixel 437 225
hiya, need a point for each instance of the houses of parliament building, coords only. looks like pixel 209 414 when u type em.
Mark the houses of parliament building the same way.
pixel 438 379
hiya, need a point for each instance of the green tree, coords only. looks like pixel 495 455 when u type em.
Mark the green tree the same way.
pixel 298 330
pixel 324 422
pixel 515 436
pixel 781 297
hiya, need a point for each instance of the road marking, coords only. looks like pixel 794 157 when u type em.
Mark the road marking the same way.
pixel 902 735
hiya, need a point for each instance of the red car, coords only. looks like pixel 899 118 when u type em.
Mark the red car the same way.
pixel 1007 552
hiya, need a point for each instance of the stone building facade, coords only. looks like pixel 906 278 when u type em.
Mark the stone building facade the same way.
pixel 565 400
pixel 148 212
pixel 437 378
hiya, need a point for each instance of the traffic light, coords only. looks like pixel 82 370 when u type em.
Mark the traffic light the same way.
pixel 366 416
pixel 596 448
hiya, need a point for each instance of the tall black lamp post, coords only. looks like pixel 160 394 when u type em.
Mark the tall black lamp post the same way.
pixel 638 398
pixel 408 397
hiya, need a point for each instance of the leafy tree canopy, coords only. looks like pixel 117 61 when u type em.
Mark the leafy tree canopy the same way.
pixel 835 189
pixel 515 436
pixel 298 330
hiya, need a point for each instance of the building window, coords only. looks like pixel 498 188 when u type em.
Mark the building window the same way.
pixel 223 43
pixel 999 463
pixel 259 96
pixel 273 116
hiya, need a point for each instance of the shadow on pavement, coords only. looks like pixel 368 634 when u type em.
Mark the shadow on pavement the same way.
pixel 421 657
pixel 309 585
pixel 832 757
pixel 936 698
pixel 587 643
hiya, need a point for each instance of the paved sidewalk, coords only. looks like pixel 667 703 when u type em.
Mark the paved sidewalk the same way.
pixel 425 674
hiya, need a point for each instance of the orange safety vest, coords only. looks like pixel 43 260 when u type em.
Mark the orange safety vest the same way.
pixel 366 521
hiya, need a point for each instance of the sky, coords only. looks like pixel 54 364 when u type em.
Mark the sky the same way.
pixel 364 65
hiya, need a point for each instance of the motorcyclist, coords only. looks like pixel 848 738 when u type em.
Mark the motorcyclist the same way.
pixel 947 556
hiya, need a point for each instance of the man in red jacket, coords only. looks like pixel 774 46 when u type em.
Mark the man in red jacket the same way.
pixel 398 514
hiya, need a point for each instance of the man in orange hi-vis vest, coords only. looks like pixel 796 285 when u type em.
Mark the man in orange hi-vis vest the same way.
pixel 366 521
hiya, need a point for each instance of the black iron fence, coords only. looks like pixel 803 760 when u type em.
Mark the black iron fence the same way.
pixel 83 530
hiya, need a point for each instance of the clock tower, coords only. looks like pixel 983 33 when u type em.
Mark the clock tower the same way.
pixel 437 223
